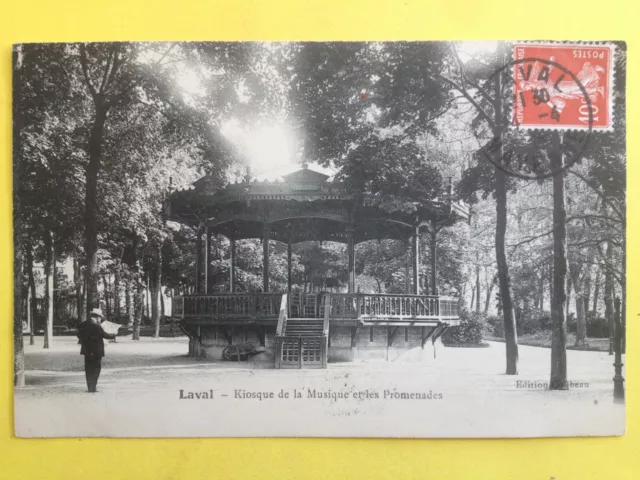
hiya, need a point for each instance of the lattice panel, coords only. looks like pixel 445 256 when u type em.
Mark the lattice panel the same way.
pixel 311 351
pixel 291 351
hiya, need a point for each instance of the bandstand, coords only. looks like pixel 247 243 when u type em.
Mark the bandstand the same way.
pixel 294 329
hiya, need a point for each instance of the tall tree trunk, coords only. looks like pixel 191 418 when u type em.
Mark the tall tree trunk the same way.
pixel 127 299
pixel 77 282
pixel 596 293
pixel 137 302
pixel 83 312
pixel 608 295
pixel 558 379
pixel 586 284
pixel 550 273
pixel 568 294
pixel 107 296
pixel 581 320
pixel 147 300
pixel 116 293
pixel 504 280
pixel 139 292
pixel 155 292
pixel 473 297
pixel 478 286
pixel 91 202
pixel 49 272
pixel 541 290
pixel 27 308
pixel 162 312
pixel 581 328
pixel 487 301
pixel 55 314
pixel 32 296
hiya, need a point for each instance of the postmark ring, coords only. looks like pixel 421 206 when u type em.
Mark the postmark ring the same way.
pixel 496 143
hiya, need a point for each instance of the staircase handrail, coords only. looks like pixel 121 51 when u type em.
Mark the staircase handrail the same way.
pixel 282 316
pixel 327 314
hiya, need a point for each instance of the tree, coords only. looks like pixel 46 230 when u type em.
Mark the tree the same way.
pixel 100 76
pixel 489 179
pixel 31 301
pixel 604 173
pixel 49 273
pixel 558 379
pixel 48 182
pixel 18 339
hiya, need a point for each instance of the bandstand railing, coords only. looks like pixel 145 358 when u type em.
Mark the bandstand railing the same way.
pixel 227 305
pixel 391 306
pixel 345 306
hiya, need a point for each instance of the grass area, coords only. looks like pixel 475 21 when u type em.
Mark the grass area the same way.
pixel 543 339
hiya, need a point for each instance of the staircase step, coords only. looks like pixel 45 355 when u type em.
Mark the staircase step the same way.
pixel 303 334
pixel 292 330
pixel 304 327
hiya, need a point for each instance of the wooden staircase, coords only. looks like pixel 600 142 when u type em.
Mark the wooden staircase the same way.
pixel 303 327
pixel 301 342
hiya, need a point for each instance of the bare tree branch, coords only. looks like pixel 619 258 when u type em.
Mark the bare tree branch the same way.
pixel 106 72
pixel 530 239
pixel 466 79
pixel 471 100
pixel 591 216
pixel 602 196
pixel 85 71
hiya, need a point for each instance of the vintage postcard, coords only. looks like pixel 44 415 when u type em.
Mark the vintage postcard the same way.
pixel 320 239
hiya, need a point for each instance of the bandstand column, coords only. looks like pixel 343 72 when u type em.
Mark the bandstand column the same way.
pixel 207 259
pixel 265 259
pixel 415 259
pixel 232 265
pixel 289 268
pixel 352 259
pixel 199 260
pixel 407 270
pixel 433 259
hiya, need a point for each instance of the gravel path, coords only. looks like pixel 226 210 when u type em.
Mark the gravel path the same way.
pixel 140 389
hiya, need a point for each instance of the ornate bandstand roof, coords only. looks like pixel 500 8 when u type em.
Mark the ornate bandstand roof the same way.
pixel 304 206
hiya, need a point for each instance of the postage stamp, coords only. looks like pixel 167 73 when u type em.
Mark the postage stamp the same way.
pixel 563 86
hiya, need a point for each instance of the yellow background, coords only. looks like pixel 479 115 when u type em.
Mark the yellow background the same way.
pixel 84 20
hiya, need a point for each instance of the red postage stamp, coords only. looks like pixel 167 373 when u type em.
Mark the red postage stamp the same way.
pixel 563 86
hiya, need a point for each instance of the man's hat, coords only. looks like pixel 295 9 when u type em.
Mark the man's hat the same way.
pixel 97 312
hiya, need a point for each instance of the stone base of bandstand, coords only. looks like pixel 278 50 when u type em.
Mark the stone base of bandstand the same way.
pixel 372 344
pixel 214 340
pixel 368 344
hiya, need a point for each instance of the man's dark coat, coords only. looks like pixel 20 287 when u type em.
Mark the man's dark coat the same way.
pixel 91 337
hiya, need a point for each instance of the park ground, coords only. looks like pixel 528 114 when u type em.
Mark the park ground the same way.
pixel 139 395
pixel 543 339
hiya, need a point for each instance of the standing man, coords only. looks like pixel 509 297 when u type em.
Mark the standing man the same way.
pixel 90 334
